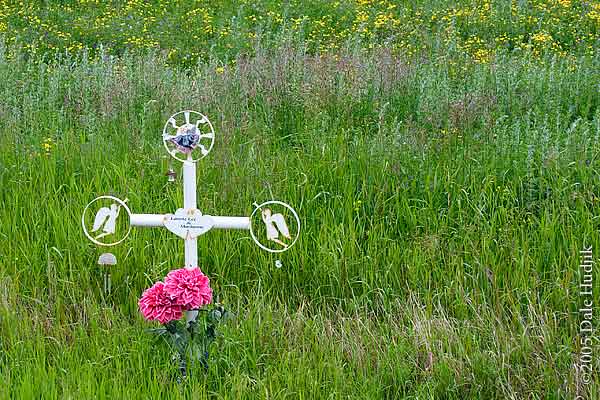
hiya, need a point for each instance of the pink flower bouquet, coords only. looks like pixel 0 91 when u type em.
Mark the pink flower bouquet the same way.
pixel 183 290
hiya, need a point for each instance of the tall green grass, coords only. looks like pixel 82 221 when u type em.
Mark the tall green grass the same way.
pixel 442 214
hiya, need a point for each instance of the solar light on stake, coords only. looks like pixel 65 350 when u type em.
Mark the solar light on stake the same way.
pixel 107 260
pixel 188 136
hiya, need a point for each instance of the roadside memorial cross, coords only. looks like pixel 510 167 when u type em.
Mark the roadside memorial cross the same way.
pixel 188 136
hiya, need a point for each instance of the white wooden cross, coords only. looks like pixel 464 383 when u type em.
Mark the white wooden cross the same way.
pixel 189 133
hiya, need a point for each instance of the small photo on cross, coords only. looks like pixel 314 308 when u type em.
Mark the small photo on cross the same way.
pixel 188 136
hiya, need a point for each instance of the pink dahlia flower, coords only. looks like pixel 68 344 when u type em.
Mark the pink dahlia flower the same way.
pixel 155 304
pixel 189 288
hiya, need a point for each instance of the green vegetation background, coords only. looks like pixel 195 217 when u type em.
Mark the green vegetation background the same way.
pixel 443 158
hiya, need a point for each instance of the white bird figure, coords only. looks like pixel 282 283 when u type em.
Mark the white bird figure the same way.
pixel 106 217
pixel 275 224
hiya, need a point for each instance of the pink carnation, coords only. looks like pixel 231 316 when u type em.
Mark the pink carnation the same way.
pixel 189 288
pixel 155 304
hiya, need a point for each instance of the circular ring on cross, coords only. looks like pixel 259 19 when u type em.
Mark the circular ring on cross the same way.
pixel 188 136
pixel 279 226
pixel 106 222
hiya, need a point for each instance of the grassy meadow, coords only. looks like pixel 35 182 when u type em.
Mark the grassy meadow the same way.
pixel 444 160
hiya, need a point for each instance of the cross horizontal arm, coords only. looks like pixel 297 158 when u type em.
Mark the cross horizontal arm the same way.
pixel 231 222
pixel 218 221
pixel 146 219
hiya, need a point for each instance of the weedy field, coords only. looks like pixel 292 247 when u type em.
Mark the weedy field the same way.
pixel 443 159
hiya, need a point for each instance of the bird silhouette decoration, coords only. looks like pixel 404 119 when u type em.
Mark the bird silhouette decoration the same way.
pixel 275 223
pixel 106 218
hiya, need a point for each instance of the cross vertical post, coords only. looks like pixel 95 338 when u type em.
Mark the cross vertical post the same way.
pixel 189 204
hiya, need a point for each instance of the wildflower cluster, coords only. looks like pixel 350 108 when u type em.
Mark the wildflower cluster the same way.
pixel 186 30
pixel 47 145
